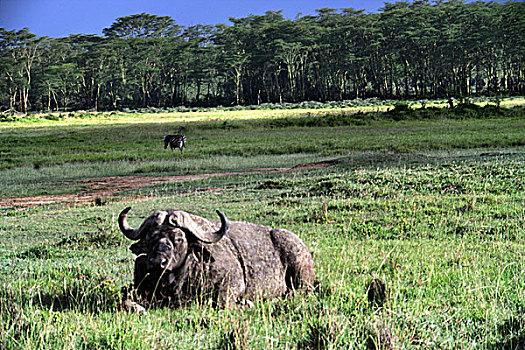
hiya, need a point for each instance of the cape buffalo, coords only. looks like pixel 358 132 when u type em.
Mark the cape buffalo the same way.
pixel 182 257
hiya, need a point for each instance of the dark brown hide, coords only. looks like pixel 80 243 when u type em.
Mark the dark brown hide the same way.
pixel 249 262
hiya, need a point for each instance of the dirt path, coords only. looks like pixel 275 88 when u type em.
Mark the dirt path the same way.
pixel 107 186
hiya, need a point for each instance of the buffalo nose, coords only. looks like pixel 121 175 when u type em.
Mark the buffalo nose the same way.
pixel 158 262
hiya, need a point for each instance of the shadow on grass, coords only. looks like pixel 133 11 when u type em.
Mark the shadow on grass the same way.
pixel 512 332
pixel 94 300
pixel 87 296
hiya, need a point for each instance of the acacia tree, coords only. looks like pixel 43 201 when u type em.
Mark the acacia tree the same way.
pixel 67 77
pixel 232 43
pixel 142 26
pixel 92 62
pixel 8 66
pixel 142 37
pixel 262 75
pixel 19 53
pixel 409 49
pixel 513 47
pixel 200 59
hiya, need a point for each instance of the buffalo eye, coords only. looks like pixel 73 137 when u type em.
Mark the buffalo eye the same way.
pixel 178 240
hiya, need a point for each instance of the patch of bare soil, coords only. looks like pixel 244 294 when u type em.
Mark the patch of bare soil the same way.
pixel 324 164
pixel 103 187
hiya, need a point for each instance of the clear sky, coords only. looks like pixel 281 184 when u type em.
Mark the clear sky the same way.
pixel 59 18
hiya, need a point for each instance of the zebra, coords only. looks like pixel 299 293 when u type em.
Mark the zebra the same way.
pixel 175 141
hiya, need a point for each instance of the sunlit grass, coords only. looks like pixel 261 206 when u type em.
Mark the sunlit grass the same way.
pixel 433 208
pixel 115 118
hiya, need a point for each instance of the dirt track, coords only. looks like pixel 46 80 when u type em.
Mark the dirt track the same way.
pixel 107 186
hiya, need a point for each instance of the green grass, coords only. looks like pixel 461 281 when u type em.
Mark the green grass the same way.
pixel 434 207
pixel 33 155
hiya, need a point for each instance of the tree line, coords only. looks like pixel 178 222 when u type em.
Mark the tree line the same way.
pixel 419 49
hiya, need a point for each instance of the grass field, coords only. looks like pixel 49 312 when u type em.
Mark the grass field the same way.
pixel 432 202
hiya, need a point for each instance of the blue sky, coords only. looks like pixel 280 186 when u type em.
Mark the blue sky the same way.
pixel 58 18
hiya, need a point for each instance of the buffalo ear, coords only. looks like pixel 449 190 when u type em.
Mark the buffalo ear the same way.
pixel 139 247
pixel 184 221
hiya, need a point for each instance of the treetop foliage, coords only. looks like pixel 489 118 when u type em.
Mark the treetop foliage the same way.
pixel 142 26
pixel 419 49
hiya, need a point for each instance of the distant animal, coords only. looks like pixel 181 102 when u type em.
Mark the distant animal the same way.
pixel 183 257
pixel 175 141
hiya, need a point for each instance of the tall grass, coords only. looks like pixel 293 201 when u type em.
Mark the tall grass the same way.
pixel 433 209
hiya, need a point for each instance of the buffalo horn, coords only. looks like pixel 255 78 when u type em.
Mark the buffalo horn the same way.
pixel 183 220
pixel 137 233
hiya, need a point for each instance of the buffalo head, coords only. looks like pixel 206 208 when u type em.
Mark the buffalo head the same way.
pixel 167 235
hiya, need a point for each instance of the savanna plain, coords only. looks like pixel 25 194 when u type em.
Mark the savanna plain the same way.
pixel 428 200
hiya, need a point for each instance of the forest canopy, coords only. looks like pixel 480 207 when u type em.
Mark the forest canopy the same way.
pixel 408 50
